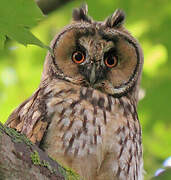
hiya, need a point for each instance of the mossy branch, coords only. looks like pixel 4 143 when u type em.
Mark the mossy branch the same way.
pixel 19 159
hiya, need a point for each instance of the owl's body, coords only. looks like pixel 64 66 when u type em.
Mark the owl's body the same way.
pixel 79 115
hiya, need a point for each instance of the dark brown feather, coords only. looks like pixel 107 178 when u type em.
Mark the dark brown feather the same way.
pixel 80 14
pixel 21 119
pixel 116 19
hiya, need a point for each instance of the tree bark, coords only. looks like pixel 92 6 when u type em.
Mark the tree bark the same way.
pixel 22 160
pixel 50 5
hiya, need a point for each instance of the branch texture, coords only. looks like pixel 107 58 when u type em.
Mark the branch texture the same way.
pixel 48 6
pixel 20 159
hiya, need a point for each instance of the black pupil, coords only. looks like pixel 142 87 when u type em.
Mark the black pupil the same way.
pixel 110 60
pixel 78 56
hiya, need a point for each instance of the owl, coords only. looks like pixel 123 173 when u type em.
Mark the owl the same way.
pixel 84 112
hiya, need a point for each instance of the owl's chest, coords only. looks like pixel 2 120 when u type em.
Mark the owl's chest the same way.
pixel 82 121
pixel 89 126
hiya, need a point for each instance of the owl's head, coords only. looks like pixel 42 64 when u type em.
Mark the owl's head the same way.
pixel 101 55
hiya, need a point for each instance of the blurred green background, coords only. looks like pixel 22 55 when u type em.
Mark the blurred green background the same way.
pixel 150 22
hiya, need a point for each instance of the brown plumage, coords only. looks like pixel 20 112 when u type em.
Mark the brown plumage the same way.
pixel 84 113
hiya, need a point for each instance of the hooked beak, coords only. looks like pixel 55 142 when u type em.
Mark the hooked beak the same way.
pixel 93 74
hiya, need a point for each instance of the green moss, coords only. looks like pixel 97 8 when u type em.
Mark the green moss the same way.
pixel 19 138
pixel 0 132
pixel 62 171
pixel 35 158
pixel 46 164
pixel 15 136
pixel 1 128
pixel 69 174
pixel 36 161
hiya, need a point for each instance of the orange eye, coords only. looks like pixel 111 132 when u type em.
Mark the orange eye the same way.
pixel 111 61
pixel 78 57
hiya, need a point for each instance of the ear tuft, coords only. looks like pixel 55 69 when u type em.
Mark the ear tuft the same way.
pixel 116 20
pixel 80 14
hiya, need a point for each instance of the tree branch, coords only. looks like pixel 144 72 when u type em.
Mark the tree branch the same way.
pixel 50 5
pixel 20 159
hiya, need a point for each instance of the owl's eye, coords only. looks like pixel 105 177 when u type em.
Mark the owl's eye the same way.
pixel 78 57
pixel 111 61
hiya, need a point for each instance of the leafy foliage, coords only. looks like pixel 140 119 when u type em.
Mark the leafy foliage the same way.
pixel 16 17
pixel 149 21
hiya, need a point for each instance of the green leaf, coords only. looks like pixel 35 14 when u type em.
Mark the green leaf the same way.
pixel 16 18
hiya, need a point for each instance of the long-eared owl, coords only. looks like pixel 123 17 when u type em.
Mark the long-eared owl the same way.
pixel 84 112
